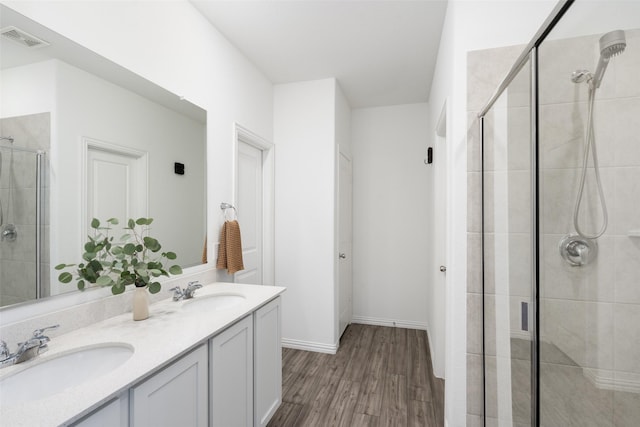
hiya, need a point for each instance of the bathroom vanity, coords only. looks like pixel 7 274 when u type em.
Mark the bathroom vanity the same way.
pixel 214 360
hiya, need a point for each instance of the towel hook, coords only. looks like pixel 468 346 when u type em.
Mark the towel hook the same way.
pixel 224 206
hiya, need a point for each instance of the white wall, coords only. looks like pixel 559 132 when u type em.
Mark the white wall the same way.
pixel 469 25
pixel 391 197
pixel 305 138
pixel 174 46
pixel 28 89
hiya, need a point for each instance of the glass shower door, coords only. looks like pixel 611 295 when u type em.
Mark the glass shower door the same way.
pixel 20 225
pixel 507 248
pixel 589 260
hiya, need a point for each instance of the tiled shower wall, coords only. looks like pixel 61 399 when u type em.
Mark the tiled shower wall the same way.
pixel 485 70
pixel 592 313
pixel 17 258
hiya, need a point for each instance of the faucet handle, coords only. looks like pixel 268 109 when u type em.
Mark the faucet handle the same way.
pixel 4 350
pixel 38 333
pixel 191 289
pixel 178 293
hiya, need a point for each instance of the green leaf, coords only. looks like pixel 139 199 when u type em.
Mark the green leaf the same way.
pixel 142 273
pixel 125 237
pixel 95 223
pixel 139 248
pixel 90 247
pixel 65 277
pixel 95 265
pixel 152 244
pixel 154 287
pixel 131 224
pixel 104 281
pixel 88 256
pixel 116 250
pixel 154 272
pixel 62 266
pixel 113 221
pixel 175 269
pixel 129 249
pixel 171 255
pixel 81 285
pixel 118 288
pixel 144 221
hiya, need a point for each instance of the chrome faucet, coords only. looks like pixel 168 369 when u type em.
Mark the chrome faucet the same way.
pixel 178 294
pixel 26 350
pixel 187 293
pixel 191 289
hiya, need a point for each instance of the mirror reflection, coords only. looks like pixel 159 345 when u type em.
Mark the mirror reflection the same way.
pixel 83 137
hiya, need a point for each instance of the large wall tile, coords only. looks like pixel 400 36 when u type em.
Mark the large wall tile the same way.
pixel 591 282
pixel 626 206
pixel 627 338
pixel 627 270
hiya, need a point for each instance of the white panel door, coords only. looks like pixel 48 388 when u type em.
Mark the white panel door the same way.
pixel 115 185
pixel 345 236
pixel 249 204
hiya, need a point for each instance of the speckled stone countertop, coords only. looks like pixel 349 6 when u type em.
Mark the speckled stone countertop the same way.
pixel 167 334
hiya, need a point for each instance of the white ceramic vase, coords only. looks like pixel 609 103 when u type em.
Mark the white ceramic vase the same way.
pixel 140 303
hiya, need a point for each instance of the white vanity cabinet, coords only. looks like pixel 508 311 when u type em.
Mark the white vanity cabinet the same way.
pixel 231 374
pixel 114 413
pixel 174 396
pixel 267 362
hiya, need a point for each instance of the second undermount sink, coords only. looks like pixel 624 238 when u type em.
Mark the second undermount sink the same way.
pixel 50 376
pixel 214 302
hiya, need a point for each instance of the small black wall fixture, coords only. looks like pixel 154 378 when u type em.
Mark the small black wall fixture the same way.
pixel 178 168
pixel 429 158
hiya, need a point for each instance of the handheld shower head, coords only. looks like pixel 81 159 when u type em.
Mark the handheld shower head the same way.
pixel 611 44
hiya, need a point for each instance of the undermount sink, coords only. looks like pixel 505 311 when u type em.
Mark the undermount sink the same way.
pixel 214 302
pixel 50 376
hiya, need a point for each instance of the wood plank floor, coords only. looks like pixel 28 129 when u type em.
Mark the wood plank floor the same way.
pixel 379 377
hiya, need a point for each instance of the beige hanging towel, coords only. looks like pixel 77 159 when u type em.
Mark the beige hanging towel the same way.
pixel 230 249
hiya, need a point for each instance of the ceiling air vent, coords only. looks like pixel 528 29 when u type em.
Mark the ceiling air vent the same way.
pixel 22 37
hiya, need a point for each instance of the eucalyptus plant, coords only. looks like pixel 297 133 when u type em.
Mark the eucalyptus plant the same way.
pixel 134 259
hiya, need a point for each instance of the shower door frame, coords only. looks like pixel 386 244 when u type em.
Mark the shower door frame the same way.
pixel 530 53
pixel 39 194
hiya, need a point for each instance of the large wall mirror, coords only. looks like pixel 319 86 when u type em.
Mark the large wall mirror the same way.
pixel 83 137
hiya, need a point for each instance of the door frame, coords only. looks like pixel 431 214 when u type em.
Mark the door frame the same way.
pixel 242 134
pixel 86 144
pixel 338 284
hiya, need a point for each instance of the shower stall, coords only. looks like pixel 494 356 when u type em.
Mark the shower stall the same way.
pixel 24 255
pixel 560 176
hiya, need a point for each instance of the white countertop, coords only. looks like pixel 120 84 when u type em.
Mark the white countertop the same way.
pixel 168 333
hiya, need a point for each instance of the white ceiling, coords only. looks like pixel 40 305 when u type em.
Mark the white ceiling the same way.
pixel 381 52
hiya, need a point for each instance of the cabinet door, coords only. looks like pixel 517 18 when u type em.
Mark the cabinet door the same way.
pixel 267 362
pixel 231 371
pixel 175 396
pixel 114 413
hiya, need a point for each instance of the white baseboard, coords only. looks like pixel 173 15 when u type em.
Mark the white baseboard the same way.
pixel 309 346
pixel 394 323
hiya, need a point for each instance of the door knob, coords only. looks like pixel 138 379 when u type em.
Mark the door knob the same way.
pixel 443 268
pixel 342 255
